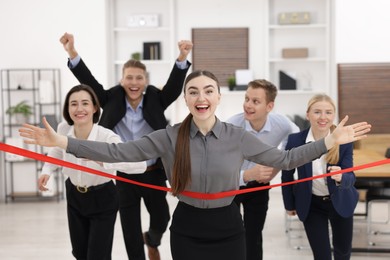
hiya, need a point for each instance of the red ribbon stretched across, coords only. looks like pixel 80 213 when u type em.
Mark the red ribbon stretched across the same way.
pixel 210 196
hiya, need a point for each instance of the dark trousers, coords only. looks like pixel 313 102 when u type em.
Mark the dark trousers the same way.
pixel 207 234
pixel 255 206
pixel 130 210
pixel 91 219
pixel 317 231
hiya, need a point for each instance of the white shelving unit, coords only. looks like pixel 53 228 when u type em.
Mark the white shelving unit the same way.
pixel 40 88
pixel 316 36
pixel 314 73
pixel 125 39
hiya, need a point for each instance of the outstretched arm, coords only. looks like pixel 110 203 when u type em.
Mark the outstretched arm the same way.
pixel 347 134
pixel 81 71
pixel 43 136
pixel 174 85
pixel 67 41
pixel 185 48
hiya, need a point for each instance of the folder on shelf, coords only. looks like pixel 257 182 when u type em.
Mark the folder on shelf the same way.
pixel 286 81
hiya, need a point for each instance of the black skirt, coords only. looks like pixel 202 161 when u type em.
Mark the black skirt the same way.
pixel 202 234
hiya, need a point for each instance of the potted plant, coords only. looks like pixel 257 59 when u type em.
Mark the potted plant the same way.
pixel 231 82
pixel 21 111
pixel 136 56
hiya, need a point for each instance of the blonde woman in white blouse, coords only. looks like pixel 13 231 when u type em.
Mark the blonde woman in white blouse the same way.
pixel 92 200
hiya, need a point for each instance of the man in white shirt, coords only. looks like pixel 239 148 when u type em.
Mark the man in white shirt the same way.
pixel 273 129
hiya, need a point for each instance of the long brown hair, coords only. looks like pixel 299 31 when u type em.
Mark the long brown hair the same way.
pixel 181 175
pixel 333 155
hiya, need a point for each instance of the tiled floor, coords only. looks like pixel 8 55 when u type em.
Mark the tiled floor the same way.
pixel 38 230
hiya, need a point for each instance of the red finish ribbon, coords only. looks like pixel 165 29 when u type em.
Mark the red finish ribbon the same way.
pixel 209 196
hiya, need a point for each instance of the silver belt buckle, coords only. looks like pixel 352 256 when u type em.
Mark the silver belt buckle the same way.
pixel 82 189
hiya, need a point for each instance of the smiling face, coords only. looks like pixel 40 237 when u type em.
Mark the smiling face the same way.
pixel 134 82
pixel 81 108
pixel 256 107
pixel 321 115
pixel 202 97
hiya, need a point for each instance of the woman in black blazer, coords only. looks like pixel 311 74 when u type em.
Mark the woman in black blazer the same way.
pixel 332 199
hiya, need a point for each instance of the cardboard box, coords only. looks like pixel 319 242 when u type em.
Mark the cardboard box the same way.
pixel 295 53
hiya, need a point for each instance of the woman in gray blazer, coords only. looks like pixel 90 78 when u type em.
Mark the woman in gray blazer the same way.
pixel 201 155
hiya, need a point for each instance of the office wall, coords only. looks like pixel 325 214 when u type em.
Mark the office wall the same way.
pixel 30 32
pixel 361 31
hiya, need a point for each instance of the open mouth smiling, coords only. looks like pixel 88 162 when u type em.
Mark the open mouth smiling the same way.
pixel 202 107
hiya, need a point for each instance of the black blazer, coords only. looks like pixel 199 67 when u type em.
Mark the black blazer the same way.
pixel 113 100
pixel 298 196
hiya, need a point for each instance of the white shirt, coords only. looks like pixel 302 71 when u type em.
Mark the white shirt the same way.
pixel 319 187
pixel 274 132
pixel 80 178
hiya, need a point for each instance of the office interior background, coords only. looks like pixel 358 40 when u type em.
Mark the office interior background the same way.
pixel 31 31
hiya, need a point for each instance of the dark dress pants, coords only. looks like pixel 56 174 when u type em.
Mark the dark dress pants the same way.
pixel 130 196
pixel 255 206
pixel 317 230
pixel 91 220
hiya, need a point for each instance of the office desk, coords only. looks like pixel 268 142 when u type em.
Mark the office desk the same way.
pixel 370 177
pixel 362 156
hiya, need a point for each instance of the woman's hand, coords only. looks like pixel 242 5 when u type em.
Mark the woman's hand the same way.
pixel 291 212
pixel 43 136
pixel 42 182
pixel 185 48
pixel 336 177
pixel 347 134
pixel 259 173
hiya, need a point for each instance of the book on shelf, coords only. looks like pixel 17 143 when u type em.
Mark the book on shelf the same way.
pixel 152 51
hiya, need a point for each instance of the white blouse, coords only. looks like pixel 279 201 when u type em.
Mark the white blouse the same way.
pixel 80 178
pixel 319 186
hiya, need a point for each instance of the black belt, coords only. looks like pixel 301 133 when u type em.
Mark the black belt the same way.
pixel 323 198
pixel 253 184
pixel 85 189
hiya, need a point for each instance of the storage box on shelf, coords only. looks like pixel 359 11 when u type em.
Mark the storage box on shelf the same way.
pixel 38 90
